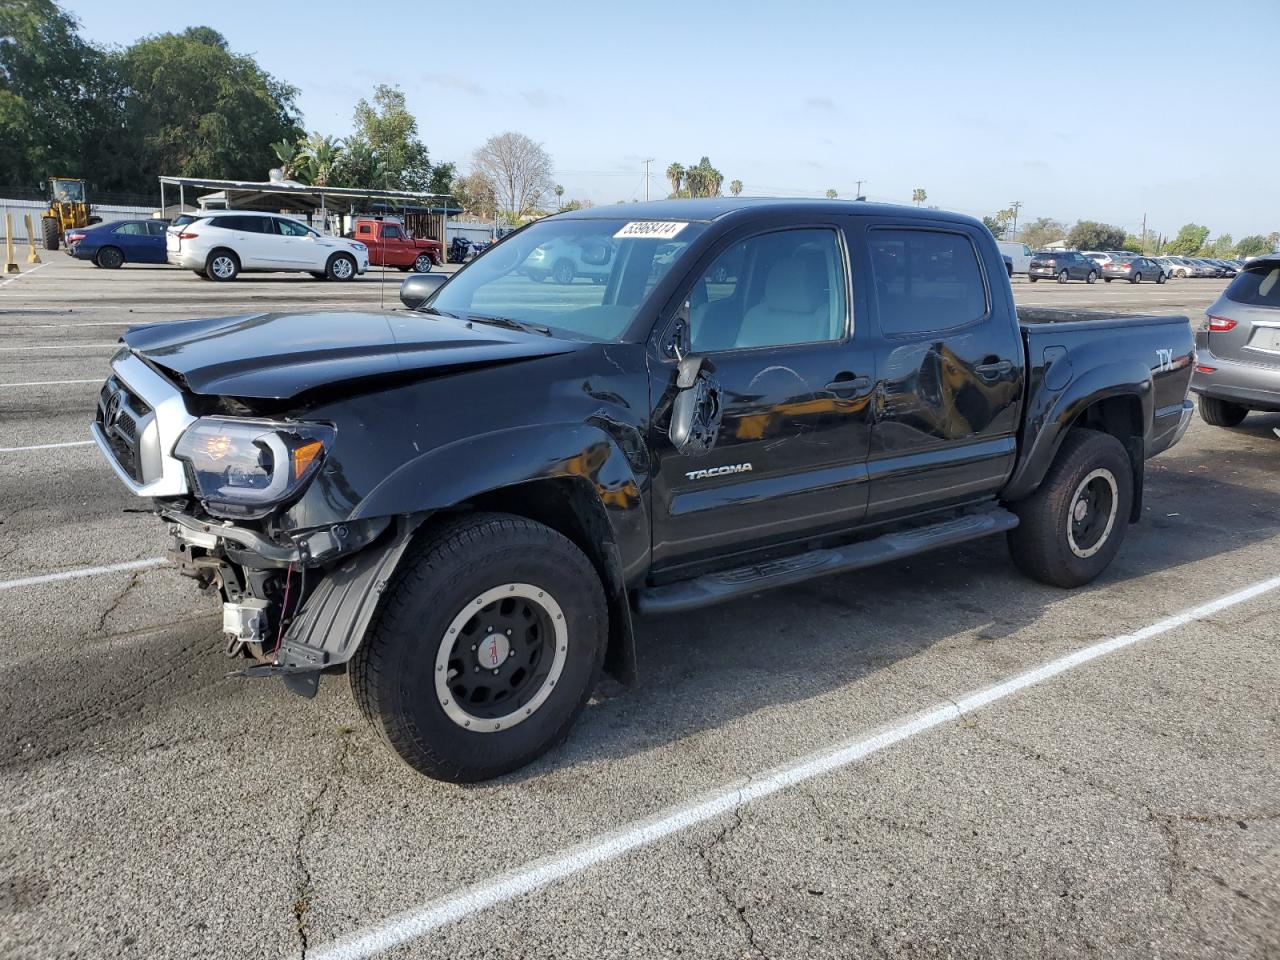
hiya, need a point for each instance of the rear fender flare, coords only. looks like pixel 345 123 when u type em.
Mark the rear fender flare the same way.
pixel 1048 422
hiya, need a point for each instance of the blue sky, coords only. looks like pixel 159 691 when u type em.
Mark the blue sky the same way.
pixel 1081 111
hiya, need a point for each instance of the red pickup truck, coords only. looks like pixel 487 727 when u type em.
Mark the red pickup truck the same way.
pixel 390 246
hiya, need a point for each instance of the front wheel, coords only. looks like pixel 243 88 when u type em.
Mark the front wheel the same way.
pixel 484 650
pixel 1070 529
pixel 1092 277
pixel 341 266
pixel 562 272
pixel 1160 278
pixel 1063 277
pixel 52 231
pixel 1221 413
pixel 422 263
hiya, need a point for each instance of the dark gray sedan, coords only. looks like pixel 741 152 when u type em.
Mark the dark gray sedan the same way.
pixel 1133 269
pixel 1238 348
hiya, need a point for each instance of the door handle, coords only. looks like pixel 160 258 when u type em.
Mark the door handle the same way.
pixel 848 384
pixel 993 369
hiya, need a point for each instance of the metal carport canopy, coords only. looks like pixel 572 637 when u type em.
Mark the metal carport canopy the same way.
pixel 251 195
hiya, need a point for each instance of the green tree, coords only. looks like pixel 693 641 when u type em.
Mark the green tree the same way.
pixel 703 180
pixel 559 194
pixel 194 108
pixel 919 196
pixel 1132 242
pixel 1223 247
pixel 1091 235
pixel 391 131
pixel 1254 245
pixel 60 101
pixel 1041 232
pixel 1188 241
pixel 831 194
pixel 1273 238
pixel 735 187
pixel 291 157
pixel 995 225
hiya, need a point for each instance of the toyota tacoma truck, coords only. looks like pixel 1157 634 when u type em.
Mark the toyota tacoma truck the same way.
pixel 463 505
pixel 391 245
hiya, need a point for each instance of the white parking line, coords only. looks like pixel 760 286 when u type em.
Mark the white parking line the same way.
pixel 557 866
pixel 49 383
pixel 62 346
pixel 47 446
pixel 81 572
pixel 25 274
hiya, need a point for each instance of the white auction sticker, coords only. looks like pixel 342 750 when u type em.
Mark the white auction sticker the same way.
pixel 650 230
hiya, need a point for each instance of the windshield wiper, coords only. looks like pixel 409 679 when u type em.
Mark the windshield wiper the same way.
pixel 510 323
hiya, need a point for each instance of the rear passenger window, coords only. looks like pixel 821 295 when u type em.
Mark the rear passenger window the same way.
pixel 772 290
pixel 130 229
pixel 925 280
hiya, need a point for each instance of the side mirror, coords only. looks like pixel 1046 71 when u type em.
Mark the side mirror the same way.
pixel 696 410
pixel 418 289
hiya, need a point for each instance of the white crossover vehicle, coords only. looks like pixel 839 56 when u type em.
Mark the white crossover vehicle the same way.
pixel 218 246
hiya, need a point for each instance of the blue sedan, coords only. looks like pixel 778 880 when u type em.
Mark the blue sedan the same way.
pixel 111 245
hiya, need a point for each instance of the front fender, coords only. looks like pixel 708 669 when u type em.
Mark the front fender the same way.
pixel 1052 412
pixel 611 456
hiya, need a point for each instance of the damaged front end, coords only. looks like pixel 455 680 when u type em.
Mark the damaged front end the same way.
pixel 295 600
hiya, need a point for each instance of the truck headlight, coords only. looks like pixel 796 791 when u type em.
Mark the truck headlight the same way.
pixel 247 466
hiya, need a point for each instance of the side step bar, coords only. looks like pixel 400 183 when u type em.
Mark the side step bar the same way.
pixel 725 584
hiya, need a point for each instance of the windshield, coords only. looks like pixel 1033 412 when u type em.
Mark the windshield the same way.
pixel 584 278
pixel 68 191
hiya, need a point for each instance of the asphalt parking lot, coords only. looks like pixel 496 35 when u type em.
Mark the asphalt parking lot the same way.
pixel 1126 806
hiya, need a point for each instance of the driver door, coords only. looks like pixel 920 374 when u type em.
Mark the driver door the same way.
pixel 770 319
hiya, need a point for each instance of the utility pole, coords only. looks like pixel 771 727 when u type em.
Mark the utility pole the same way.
pixel 1015 206
pixel 1144 234
pixel 858 193
pixel 646 179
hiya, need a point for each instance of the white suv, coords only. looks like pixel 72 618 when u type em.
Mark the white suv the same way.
pixel 218 246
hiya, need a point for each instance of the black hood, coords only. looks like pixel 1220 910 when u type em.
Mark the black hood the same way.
pixel 281 355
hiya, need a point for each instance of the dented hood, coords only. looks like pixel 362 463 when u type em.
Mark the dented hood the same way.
pixel 281 355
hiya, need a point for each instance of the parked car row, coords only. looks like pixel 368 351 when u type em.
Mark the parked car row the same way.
pixel 222 244
pixel 1089 265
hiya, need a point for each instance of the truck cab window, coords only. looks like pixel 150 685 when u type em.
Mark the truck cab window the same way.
pixel 925 280
pixel 771 290
pixel 391 232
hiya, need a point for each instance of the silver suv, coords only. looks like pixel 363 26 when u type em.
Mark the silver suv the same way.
pixel 1238 347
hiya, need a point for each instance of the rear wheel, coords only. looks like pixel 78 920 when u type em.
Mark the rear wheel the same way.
pixel 1136 278
pixel 52 233
pixel 562 272
pixel 1031 279
pixel 109 258
pixel 341 266
pixel 1070 529
pixel 1221 413
pixel 484 650
pixel 1063 277
pixel 222 265
pixel 1107 279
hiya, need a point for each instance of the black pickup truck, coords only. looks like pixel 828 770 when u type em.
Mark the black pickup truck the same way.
pixel 463 504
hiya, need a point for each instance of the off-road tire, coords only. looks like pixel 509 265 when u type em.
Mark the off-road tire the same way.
pixel 1221 413
pixel 52 233
pixel 393 672
pixel 1040 544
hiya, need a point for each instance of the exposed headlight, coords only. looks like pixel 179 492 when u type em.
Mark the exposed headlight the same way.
pixel 245 467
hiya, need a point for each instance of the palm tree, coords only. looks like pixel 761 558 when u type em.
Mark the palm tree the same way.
pixel 918 196
pixel 290 157
pixel 321 156
pixel 675 175
pixel 559 194
pixel 735 187
pixel 831 194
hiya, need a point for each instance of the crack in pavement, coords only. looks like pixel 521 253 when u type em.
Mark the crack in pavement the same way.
pixel 313 818
pixel 737 910
pixel 116 601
